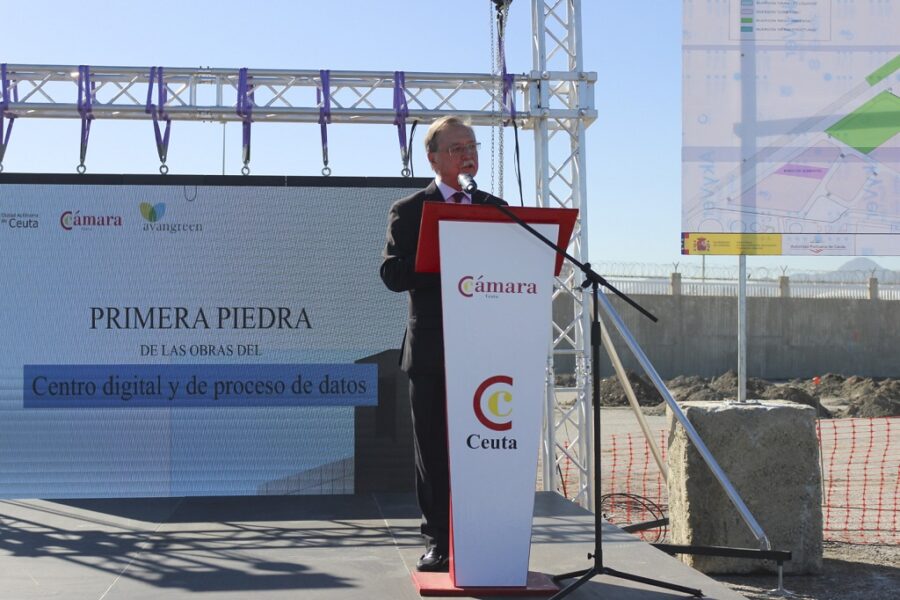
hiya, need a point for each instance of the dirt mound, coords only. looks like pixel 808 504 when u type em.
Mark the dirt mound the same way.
pixel 686 381
pixel 686 387
pixel 864 396
pixel 859 387
pixel 869 397
pixel 796 394
pixel 829 385
pixel 877 405
pixel 702 393
pixel 890 388
pixel 727 383
pixel 612 394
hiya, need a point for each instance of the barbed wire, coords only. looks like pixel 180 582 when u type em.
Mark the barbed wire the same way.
pixel 730 273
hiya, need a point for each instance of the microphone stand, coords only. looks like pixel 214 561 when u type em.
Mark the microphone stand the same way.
pixel 594 281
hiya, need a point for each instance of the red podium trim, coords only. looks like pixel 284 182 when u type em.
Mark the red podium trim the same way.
pixel 428 257
pixel 441 584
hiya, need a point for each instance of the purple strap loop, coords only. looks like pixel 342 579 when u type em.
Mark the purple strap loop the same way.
pixel 85 93
pixel 501 47
pixel 401 112
pixel 159 111
pixel 323 99
pixel 86 90
pixel 245 112
pixel 509 95
pixel 4 107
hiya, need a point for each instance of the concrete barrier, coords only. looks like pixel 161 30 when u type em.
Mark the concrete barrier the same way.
pixel 770 453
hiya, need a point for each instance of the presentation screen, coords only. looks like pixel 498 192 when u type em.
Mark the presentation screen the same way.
pixel 791 128
pixel 189 336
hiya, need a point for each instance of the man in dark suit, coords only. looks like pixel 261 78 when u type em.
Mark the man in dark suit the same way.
pixel 452 149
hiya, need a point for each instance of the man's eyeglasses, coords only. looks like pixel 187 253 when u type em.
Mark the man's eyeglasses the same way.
pixel 463 149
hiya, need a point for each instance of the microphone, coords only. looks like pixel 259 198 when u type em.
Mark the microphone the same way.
pixel 467 182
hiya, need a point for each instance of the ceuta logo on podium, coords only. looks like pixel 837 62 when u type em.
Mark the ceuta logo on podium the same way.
pixel 493 407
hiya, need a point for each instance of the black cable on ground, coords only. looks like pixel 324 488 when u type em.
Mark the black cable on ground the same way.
pixel 621 503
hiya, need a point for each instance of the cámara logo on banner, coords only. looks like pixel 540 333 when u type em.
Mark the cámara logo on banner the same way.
pixel 493 407
pixel 73 219
pixel 470 285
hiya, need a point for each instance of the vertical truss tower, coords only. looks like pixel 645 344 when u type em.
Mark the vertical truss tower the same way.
pixel 565 105
pixel 555 101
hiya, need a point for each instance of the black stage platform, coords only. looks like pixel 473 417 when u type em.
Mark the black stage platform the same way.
pixel 274 547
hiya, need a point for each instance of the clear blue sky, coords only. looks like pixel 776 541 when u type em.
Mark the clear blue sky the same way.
pixel 633 149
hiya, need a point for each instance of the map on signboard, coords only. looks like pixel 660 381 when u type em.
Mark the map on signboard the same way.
pixel 791 116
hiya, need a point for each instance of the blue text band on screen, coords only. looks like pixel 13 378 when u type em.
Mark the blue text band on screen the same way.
pixel 201 385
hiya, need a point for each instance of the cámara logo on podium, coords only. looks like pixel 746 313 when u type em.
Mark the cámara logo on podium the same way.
pixel 470 285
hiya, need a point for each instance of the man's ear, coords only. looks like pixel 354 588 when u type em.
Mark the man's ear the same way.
pixel 431 158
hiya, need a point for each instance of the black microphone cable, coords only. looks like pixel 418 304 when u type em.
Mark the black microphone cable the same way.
pixel 409 149
pixel 517 162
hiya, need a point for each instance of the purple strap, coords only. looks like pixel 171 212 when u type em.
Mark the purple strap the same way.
pixel 245 111
pixel 501 46
pixel 4 106
pixel 157 112
pixel 85 102
pixel 509 96
pixel 401 111
pixel 4 91
pixel 323 99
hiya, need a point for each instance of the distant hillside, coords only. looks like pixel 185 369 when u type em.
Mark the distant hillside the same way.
pixel 856 270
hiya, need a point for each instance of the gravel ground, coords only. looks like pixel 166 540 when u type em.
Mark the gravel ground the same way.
pixel 849 572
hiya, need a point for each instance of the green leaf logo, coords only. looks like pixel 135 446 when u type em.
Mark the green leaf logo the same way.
pixel 153 213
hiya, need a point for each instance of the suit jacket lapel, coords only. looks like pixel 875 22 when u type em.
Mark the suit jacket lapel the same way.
pixel 432 193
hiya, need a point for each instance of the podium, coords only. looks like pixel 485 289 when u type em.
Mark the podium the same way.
pixel 496 287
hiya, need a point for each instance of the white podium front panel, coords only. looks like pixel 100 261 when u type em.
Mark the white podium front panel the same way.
pixel 496 282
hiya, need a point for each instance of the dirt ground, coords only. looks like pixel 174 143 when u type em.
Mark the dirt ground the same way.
pixel 850 571
pixel 832 395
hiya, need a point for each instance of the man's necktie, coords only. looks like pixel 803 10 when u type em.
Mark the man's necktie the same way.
pixel 458 197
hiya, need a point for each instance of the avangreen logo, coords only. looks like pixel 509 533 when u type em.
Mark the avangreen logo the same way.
pixel 151 212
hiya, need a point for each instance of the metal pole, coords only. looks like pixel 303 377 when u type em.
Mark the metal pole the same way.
pixel 223 147
pixel 632 400
pixel 742 329
pixel 708 458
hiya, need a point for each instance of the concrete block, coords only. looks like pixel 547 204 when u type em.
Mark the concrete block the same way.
pixel 770 453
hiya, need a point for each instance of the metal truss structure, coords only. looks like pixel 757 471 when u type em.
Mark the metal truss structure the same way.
pixel 555 101
pixel 565 103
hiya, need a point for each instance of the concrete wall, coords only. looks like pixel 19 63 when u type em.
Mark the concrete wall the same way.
pixel 787 337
